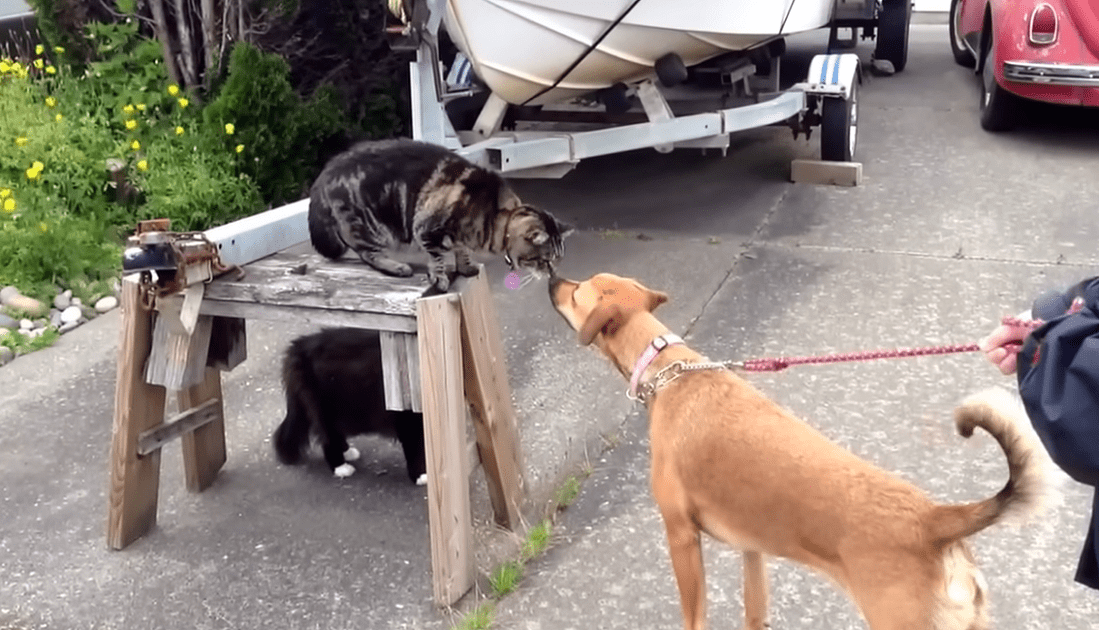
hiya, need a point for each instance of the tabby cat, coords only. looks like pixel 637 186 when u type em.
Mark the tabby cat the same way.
pixel 381 194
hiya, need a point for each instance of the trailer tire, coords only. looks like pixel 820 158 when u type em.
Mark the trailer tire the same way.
pixel 839 118
pixel 957 46
pixel 892 35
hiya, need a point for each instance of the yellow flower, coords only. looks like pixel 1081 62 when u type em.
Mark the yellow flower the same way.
pixel 58 49
pixel 179 131
pixel 131 124
pixel 129 109
pixel 58 117
pixel 9 205
pixel 229 128
pixel 173 89
pixel 32 174
pixel 38 63
pixel 51 101
pixel 5 66
pixel 240 147
pixel 135 145
pixel 39 49
pixel 184 103
pixel 5 193
pixel 38 166
pixel 43 227
pixel 51 70
pixel 141 107
pixel 21 141
pixel 143 165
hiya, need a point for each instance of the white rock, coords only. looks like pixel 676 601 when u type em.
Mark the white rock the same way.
pixel 25 324
pixel 77 302
pixel 8 293
pixel 105 304
pixel 71 314
pixel 64 328
pixel 62 300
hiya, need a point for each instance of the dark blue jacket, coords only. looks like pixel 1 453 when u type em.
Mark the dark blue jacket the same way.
pixel 1059 383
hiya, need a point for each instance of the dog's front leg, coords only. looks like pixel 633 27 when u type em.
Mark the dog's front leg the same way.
pixel 755 591
pixel 684 542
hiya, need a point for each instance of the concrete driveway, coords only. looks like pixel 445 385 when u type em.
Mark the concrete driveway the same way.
pixel 952 229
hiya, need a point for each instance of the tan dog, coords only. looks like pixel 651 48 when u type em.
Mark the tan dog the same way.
pixel 729 462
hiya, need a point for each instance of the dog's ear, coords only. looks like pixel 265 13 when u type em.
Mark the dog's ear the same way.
pixel 656 298
pixel 606 318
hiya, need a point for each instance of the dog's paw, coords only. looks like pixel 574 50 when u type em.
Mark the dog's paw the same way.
pixel 421 480
pixel 344 470
pixel 351 453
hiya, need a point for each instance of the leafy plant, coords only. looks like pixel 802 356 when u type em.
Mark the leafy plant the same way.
pixel 280 135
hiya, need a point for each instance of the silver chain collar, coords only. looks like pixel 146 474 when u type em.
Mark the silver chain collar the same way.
pixel 672 371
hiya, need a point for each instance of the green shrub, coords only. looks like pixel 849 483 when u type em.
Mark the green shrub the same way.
pixel 281 136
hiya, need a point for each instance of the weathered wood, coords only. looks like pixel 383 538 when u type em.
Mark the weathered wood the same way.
pixel 307 280
pixel 134 481
pixel 489 395
pixel 228 343
pixel 204 448
pixel 826 172
pixel 316 316
pixel 401 372
pixel 154 439
pixel 451 526
pixel 178 358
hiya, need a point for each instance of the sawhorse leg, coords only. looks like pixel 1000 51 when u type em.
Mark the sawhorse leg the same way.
pixel 203 448
pixel 134 481
pixel 449 519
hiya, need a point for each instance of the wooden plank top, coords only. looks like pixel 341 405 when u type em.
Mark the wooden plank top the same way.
pixel 308 280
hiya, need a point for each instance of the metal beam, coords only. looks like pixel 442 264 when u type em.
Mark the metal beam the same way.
pixel 263 234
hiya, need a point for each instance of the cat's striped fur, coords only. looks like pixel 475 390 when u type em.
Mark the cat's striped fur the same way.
pixel 378 195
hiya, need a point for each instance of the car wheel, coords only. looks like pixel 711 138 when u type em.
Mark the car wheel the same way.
pixel 893 32
pixel 957 44
pixel 839 127
pixel 997 104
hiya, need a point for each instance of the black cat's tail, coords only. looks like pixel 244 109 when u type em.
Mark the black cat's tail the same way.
pixel 322 226
pixel 291 438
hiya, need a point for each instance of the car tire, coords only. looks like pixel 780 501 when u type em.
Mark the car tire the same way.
pixel 957 45
pixel 839 124
pixel 997 105
pixel 892 35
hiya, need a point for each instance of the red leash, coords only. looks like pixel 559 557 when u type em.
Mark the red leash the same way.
pixel 781 363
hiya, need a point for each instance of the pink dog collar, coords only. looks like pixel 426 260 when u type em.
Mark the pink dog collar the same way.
pixel 646 358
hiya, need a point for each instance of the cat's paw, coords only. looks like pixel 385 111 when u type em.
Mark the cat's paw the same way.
pixel 421 480
pixel 439 284
pixel 351 454
pixel 344 470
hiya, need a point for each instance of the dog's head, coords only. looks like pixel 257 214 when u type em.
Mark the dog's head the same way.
pixel 597 307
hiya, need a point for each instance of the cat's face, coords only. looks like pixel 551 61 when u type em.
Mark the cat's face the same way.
pixel 536 240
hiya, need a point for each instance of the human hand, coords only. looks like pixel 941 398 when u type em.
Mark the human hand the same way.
pixel 1002 346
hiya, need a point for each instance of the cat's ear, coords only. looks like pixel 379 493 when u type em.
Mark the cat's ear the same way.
pixel 507 199
pixel 537 237
pixel 565 228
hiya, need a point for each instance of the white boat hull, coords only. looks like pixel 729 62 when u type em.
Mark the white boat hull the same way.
pixel 544 51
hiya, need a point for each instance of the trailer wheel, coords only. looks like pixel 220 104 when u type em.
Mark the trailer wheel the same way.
pixel 839 127
pixel 893 32
pixel 957 44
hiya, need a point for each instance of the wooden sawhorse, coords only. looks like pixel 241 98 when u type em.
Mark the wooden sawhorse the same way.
pixel 438 354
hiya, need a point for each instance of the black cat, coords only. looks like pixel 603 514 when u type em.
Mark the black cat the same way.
pixel 333 384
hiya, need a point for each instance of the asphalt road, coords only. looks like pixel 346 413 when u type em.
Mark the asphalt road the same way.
pixel 952 229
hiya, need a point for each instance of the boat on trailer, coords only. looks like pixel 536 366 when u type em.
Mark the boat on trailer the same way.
pixel 538 85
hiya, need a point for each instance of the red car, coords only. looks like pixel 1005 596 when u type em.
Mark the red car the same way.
pixel 1043 50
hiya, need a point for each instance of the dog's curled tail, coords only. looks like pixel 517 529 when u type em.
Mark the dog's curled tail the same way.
pixel 323 230
pixel 1031 481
